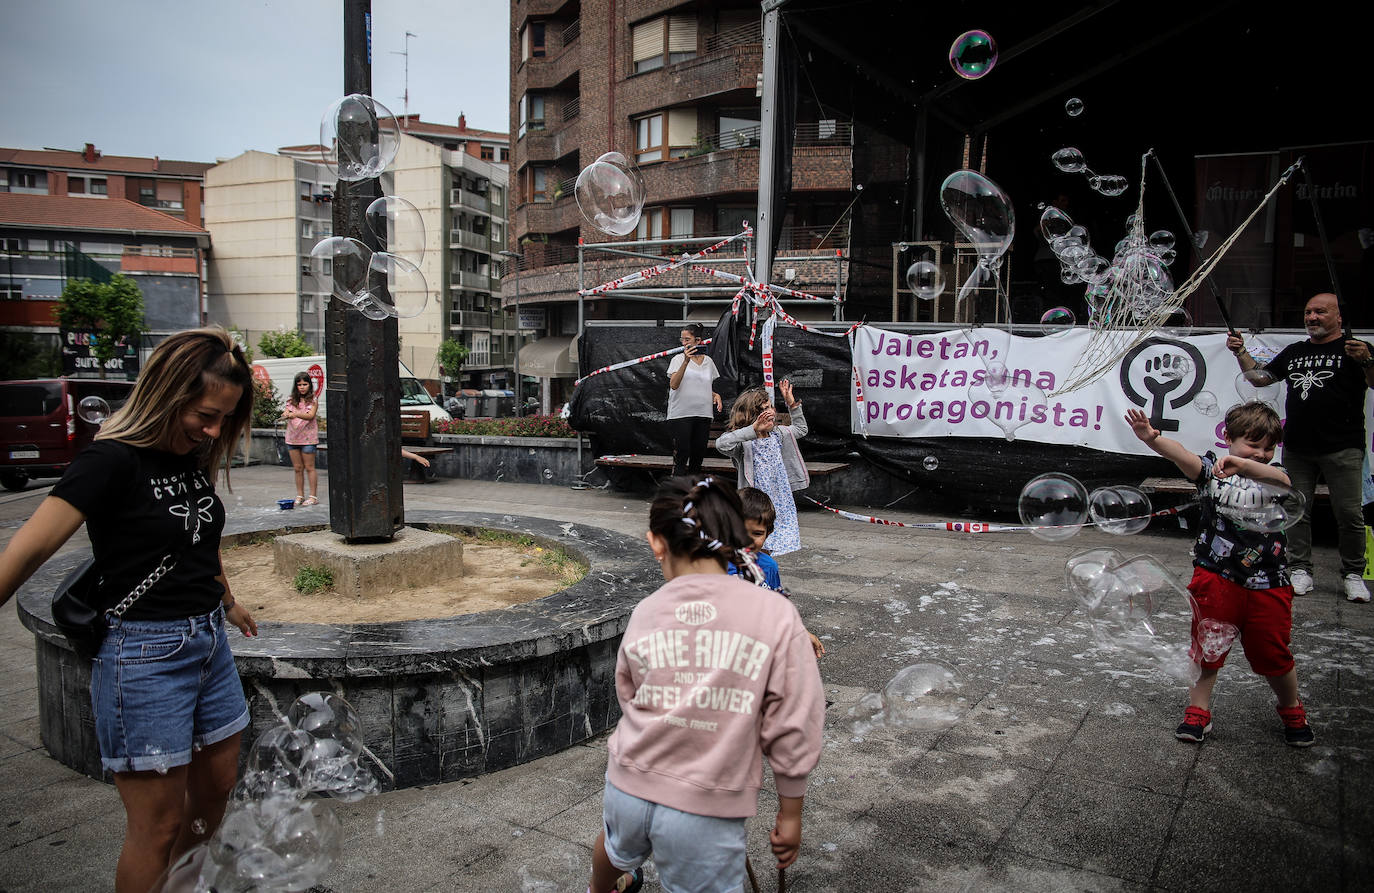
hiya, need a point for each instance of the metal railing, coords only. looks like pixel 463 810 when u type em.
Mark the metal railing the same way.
pixel 463 279
pixel 572 108
pixel 744 35
pixel 572 32
pixel 813 133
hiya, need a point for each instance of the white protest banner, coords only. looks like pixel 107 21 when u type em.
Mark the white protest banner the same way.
pixel 935 386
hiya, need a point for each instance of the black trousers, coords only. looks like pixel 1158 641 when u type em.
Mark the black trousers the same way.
pixel 689 444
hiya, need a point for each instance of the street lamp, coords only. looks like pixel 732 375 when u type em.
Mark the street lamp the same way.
pixel 519 391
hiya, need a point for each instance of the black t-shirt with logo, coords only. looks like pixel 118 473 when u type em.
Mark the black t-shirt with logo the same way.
pixel 141 504
pixel 1248 558
pixel 1325 404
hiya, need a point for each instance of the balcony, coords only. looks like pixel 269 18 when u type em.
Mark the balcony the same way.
pixel 470 200
pixel 470 281
pixel 168 260
pixel 547 217
pixel 461 238
pixel 725 70
pixel 493 320
pixel 547 72
pixel 551 145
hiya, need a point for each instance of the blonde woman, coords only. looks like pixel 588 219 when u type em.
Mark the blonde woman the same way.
pixel 169 709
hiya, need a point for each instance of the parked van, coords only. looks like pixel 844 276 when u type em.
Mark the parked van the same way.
pixel 281 371
pixel 40 428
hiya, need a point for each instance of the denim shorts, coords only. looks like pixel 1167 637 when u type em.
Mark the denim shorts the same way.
pixel 693 853
pixel 303 447
pixel 163 688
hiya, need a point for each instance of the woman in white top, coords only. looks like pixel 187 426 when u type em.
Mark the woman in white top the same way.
pixel 691 402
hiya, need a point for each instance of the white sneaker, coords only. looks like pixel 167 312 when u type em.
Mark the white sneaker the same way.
pixel 1302 581
pixel 1355 590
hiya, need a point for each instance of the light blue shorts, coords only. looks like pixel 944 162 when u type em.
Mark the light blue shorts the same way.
pixel 693 853
pixel 161 688
pixel 303 447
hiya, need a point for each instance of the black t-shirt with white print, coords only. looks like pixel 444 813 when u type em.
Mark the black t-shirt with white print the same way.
pixel 1325 405
pixel 1245 557
pixel 140 504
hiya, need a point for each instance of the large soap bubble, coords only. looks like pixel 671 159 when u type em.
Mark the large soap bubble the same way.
pixel 1054 506
pixel 1054 223
pixel 1069 160
pixel 1205 402
pixel 925 280
pixel 924 696
pixel 610 194
pixel 981 211
pixel 1258 384
pixel 1119 510
pixel 973 54
pixel 1214 638
pixel 1110 185
pixel 93 409
pixel 345 261
pixel 360 137
pixel 399 226
pixel 1122 600
pixel 396 285
pixel 1258 506
pixel 1084 572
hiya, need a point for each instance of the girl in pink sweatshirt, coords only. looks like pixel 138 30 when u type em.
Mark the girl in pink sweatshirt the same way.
pixel 713 673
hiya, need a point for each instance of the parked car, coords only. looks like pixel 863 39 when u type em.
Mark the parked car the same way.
pixel 41 429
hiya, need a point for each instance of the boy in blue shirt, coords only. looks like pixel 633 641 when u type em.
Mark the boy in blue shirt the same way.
pixel 759 516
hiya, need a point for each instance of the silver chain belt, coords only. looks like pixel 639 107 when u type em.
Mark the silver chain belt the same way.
pixel 158 573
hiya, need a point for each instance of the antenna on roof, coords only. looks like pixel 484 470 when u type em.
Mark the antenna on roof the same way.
pixel 405 98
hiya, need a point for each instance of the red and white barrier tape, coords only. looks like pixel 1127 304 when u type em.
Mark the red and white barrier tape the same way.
pixel 660 269
pixel 977 526
pixel 636 361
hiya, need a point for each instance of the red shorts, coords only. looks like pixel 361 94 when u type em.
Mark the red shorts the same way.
pixel 1263 616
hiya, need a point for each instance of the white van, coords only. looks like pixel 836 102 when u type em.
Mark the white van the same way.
pixel 283 370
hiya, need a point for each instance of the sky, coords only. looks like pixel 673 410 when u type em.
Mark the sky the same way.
pixel 194 80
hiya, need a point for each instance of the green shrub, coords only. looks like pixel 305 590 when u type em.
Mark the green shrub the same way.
pixel 266 404
pixel 310 580
pixel 284 344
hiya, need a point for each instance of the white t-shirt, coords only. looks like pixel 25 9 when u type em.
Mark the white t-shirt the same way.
pixel 692 399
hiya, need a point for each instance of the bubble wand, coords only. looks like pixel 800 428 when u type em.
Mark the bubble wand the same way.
pixel 1326 245
pixel 1192 239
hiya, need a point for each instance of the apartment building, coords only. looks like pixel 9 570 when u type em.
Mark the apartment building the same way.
pixel 265 212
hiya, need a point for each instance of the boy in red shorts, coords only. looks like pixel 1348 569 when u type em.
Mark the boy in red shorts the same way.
pixel 1239 576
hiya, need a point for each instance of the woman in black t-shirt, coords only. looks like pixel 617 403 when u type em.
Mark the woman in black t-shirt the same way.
pixel 169 709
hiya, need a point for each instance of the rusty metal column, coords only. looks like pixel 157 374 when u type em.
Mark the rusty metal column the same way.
pixel 363 388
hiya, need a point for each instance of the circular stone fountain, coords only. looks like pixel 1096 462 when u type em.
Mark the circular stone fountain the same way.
pixel 442 699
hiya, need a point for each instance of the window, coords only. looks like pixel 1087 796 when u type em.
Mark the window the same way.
pixel 652 143
pixel 147 195
pixel 98 186
pixel 481 349
pixel 327 266
pixel 532 41
pixel 502 154
pixel 307 190
pixel 538 184
pixel 663 41
pixel 487 153
pixel 680 223
pixel 28 180
pixel 169 193
pixel 531 113
pixel 650 224
pixel 10 246
pixel 307 229
pixel 305 265
pixel 649 139
pixel 11 291
pixel 308 304
pixel 498 233
pixel 76 186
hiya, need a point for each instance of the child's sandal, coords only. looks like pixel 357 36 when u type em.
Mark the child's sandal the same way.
pixel 310 500
pixel 630 881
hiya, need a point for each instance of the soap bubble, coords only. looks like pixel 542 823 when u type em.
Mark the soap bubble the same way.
pixel 548 474
pixel 1084 573
pixel 1054 223
pixel 925 280
pixel 1054 506
pixel 1058 318
pixel 359 136
pixel 397 285
pixel 1119 510
pixel 924 696
pixel 1200 238
pixel 973 54
pixel 347 261
pixel 1073 107
pixel 326 715
pixel 1110 185
pixel 1179 322
pixel 930 463
pixel 1258 506
pixel 373 309
pixel 93 409
pixel 981 211
pixel 1258 384
pixel 610 193
pixel 1122 600
pixel 1214 638
pixel 997 378
pixel 1205 402
pixel 398 225
pixel 1161 240
pixel 1069 160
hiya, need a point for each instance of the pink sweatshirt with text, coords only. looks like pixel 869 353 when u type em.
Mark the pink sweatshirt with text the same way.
pixel 712 673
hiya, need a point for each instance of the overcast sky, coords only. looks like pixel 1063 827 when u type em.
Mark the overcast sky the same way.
pixel 195 80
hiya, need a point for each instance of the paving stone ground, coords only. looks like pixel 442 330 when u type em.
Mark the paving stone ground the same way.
pixel 1058 772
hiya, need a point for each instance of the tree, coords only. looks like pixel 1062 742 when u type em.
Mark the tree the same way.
pixel 284 344
pixel 452 355
pixel 266 404
pixel 111 311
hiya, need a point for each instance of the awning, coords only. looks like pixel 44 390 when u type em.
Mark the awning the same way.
pixel 548 358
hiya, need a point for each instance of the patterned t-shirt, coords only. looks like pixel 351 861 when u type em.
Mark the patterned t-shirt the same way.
pixel 1248 558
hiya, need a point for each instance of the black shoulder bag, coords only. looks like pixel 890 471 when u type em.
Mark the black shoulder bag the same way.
pixel 76 611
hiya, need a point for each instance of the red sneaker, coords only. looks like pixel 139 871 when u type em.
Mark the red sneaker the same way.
pixel 1296 731
pixel 1195 726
